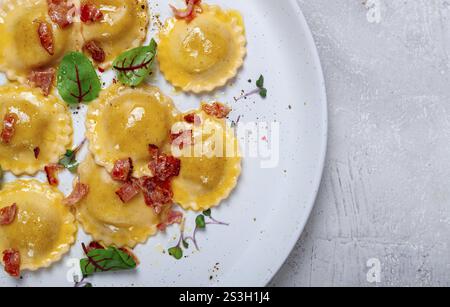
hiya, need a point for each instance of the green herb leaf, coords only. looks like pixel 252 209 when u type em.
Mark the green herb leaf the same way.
pixel 176 252
pixel 69 161
pixel 263 92
pixel 135 65
pixel 106 260
pixel 260 82
pixel 77 80
pixel 200 221
pixel 207 213
pixel 185 244
pixel 88 285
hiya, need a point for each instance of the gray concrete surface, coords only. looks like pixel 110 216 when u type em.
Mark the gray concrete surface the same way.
pixel 384 202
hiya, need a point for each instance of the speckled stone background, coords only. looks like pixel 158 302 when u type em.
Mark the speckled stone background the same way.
pixel 385 194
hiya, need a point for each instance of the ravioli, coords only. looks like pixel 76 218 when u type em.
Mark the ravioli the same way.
pixel 44 124
pixel 203 54
pixel 124 121
pixel 105 217
pixel 210 166
pixel 43 230
pixel 123 26
pixel 21 51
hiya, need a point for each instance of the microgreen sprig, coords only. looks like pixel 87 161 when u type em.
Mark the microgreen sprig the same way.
pixel 201 221
pixel 260 89
pixel 69 159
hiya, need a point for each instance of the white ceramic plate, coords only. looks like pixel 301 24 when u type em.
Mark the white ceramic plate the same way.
pixel 270 207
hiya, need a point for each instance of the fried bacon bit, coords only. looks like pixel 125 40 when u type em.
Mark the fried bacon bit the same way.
pixel 90 13
pixel 163 167
pixel 193 119
pixel 36 152
pixel 52 173
pixel 78 193
pixel 8 215
pixel 9 127
pixel 43 79
pixel 122 170
pixel 157 194
pixel 182 139
pixel 128 191
pixel 216 109
pixel 45 33
pixel 94 245
pixel 193 7
pixel 61 12
pixel 96 52
pixel 11 259
pixel 174 217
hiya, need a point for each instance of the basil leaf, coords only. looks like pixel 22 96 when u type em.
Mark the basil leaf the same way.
pixel 106 260
pixel 207 213
pixel 77 80
pixel 135 65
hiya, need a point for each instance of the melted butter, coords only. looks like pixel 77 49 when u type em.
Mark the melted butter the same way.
pixel 196 43
pixel 136 116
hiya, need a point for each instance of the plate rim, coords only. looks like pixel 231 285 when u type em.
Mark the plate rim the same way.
pixel 324 146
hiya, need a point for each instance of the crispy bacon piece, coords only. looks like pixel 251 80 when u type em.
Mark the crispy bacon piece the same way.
pixel 43 79
pixel 128 191
pixel 193 118
pixel 182 138
pixel 216 109
pixel 157 194
pixel 8 215
pixel 78 193
pixel 90 13
pixel 163 167
pixel 96 52
pixel 52 173
pixel 9 127
pixel 45 33
pixel 122 170
pixel 11 259
pixel 193 7
pixel 173 217
pixel 61 12
pixel 36 152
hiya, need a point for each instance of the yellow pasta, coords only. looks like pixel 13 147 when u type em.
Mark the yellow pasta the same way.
pixel 205 53
pixel 43 230
pixel 210 167
pixel 124 121
pixel 105 217
pixel 44 123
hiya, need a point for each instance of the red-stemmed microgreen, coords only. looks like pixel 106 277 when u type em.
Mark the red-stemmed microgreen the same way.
pixel 260 89
pixel 77 80
pixel 201 221
pixel 107 259
pixel 133 66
